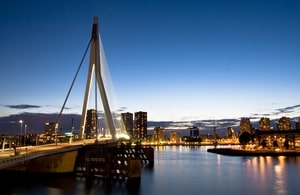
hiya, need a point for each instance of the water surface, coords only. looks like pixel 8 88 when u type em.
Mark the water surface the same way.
pixel 179 170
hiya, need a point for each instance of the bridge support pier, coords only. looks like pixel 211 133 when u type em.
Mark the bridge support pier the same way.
pixel 112 162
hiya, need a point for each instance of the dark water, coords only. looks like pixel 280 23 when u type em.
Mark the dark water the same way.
pixel 179 170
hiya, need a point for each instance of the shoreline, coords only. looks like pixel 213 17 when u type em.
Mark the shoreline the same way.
pixel 192 144
pixel 241 152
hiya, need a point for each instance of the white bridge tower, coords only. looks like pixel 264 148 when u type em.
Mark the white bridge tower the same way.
pixel 95 67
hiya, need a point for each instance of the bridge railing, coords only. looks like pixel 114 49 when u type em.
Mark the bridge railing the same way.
pixel 14 160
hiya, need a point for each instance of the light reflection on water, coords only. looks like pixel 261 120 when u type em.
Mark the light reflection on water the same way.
pixel 274 175
pixel 185 170
pixel 219 174
pixel 280 186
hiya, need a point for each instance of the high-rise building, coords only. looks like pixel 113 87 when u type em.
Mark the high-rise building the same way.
pixel 230 132
pixel 245 125
pixel 127 122
pixel 50 128
pixel 284 123
pixel 140 125
pixel 158 134
pixel 264 124
pixel 91 123
pixel 174 137
pixel 194 131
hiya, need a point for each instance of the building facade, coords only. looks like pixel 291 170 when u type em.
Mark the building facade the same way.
pixel 91 124
pixel 140 125
pixel 230 132
pixel 283 137
pixel 194 132
pixel 50 128
pixel 158 135
pixel 127 123
pixel 245 125
pixel 284 123
pixel 174 137
pixel 264 124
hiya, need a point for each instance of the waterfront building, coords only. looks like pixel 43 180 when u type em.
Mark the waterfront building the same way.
pixel 284 123
pixel 140 125
pixel 91 123
pixel 277 139
pixel 264 124
pixel 282 137
pixel 194 135
pixel 127 122
pixel 194 132
pixel 159 134
pixel 245 125
pixel 230 132
pixel 174 137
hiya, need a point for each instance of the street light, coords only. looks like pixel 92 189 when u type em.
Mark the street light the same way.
pixel 25 134
pixel 21 122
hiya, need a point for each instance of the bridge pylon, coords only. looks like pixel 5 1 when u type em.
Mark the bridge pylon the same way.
pixel 95 67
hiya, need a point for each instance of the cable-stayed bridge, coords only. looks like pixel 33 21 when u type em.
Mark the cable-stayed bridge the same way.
pixel 104 157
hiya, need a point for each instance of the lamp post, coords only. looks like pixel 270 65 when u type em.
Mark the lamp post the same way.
pixel 56 131
pixel 25 134
pixel 20 140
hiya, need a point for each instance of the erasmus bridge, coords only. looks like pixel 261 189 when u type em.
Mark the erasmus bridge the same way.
pixel 87 156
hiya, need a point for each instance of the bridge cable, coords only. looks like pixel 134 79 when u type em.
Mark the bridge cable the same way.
pixel 81 62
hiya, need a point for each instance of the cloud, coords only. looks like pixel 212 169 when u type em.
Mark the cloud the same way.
pixel 286 110
pixel 279 112
pixel 201 124
pixel 122 109
pixel 22 106
pixel 35 122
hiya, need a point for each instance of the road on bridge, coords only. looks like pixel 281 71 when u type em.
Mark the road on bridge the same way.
pixel 8 157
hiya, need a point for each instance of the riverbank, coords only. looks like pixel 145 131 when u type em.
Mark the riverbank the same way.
pixel 192 144
pixel 241 152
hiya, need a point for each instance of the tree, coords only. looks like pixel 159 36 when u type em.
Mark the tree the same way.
pixel 245 138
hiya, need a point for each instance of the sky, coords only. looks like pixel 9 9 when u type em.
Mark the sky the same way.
pixel 177 60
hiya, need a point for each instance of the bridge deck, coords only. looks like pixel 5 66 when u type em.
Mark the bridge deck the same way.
pixel 10 158
pixel 107 159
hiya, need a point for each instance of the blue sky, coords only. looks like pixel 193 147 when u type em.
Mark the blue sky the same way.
pixel 177 60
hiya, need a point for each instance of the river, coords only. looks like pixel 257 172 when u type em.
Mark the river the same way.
pixel 178 170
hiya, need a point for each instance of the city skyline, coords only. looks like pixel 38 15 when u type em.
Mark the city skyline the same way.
pixel 175 60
